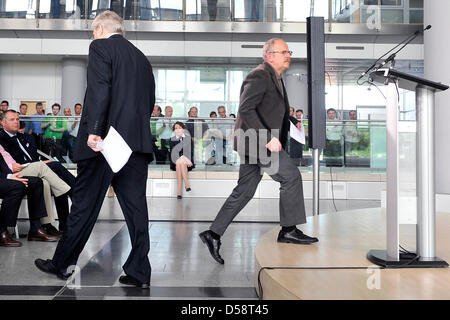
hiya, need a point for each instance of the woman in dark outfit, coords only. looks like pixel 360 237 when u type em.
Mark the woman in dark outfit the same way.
pixel 181 155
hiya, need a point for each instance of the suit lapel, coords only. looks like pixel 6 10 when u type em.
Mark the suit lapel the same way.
pixel 285 97
pixel 273 76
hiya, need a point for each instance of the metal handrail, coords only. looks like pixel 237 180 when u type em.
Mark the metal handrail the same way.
pixel 135 8
pixel 223 120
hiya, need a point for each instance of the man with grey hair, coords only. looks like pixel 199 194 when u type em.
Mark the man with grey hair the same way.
pixel 264 109
pixel 118 76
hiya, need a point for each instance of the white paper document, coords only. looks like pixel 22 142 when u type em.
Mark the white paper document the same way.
pixel 297 134
pixel 115 150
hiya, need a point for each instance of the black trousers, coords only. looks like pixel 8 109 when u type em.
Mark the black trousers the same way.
pixel 62 202
pixel 92 182
pixel 12 192
pixel 292 204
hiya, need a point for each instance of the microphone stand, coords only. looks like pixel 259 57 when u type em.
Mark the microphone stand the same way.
pixel 405 42
pixel 391 58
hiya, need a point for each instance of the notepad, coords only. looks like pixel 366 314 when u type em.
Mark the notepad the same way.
pixel 115 150
pixel 297 134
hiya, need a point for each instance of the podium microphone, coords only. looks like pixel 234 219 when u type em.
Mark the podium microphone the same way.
pixel 392 56
pixel 410 38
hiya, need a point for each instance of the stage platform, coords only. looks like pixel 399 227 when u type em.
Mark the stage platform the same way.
pixel 344 240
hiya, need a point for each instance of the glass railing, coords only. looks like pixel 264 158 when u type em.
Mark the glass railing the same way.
pixel 349 144
pixel 355 144
pixel 370 12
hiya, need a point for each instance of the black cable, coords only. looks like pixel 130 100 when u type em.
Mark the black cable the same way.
pixel 306 268
pixel 373 84
pixel 404 250
pixel 407 263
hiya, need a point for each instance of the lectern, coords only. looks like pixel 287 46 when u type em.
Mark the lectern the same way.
pixel 426 201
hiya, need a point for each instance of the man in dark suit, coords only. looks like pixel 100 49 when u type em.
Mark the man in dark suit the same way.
pixel 13 186
pixel 120 93
pixel 22 148
pixel 263 118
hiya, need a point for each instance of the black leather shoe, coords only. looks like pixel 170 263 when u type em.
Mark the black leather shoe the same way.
pixel 188 189
pixel 51 230
pixel 41 235
pixel 179 197
pixel 130 281
pixel 48 267
pixel 295 236
pixel 213 245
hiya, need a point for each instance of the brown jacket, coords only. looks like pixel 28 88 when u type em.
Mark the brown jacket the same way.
pixel 262 108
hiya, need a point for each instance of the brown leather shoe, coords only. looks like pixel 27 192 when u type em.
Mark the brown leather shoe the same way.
pixel 40 235
pixel 7 241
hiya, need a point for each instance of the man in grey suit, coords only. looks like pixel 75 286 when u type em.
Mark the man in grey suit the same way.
pixel 263 119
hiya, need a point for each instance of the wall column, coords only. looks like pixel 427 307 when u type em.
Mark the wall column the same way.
pixel 437 69
pixel 73 82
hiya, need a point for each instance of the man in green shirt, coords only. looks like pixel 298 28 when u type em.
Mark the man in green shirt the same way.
pixel 53 132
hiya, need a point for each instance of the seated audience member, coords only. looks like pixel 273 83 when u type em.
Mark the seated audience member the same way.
pixel 164 133
pixel 50 181
pixel 23 150
pixel 4 105
pixel 197 129
pixel 74 126
pixel 210 140
pixel 54 130
pixel 223 139
pixel 295 147
pixel 181 154
pixel 13 186
pixel 333 146
pixel 66 140
pixel 36 129
pixel 23 109
pixel 158 155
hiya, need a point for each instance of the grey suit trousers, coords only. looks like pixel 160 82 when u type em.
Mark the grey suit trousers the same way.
pixel 292 205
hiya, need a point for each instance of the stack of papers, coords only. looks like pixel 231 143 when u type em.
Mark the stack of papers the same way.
pixel 297 134
pixel 115 150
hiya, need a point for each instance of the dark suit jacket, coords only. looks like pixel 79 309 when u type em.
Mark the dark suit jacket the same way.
pixel 11 145
pixel 190 125
pixel 263 108
pixel 120 93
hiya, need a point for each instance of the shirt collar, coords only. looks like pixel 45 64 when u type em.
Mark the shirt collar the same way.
pixel 9 133
pixel 272 70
